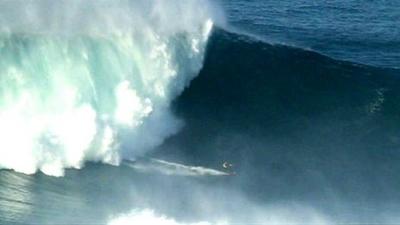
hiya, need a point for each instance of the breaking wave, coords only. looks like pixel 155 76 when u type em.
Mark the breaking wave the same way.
pixel 80 79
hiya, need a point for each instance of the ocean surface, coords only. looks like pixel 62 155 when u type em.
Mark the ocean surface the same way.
pixel 359 31
pixel 199 112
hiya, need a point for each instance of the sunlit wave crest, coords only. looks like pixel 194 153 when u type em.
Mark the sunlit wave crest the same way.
pixel 99 74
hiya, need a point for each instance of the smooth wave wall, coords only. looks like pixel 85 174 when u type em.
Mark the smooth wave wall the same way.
pixel 297 126
pixel 80 79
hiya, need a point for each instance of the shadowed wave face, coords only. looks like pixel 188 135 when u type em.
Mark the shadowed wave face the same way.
pixel 297 125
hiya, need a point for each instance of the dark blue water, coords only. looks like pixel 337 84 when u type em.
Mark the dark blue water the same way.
pixel 361 31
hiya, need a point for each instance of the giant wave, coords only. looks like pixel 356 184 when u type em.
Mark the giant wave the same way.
pixel 312 139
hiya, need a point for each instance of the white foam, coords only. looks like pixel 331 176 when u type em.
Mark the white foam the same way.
pixel 79 79
pixel 148 217
pixel 173 169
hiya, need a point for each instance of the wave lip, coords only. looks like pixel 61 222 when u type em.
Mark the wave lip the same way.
pixel 96 76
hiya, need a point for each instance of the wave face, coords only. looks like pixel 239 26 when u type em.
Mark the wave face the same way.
pixel 297 125
pixel 79 77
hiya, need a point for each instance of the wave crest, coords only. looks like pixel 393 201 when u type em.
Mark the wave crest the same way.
pixel 92 77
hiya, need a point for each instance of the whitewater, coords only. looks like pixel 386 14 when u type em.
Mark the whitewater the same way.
pixel 81 79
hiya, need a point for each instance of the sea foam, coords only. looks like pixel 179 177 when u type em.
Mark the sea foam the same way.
pixel 79 80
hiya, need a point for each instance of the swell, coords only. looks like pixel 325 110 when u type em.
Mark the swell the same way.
pixel 296 124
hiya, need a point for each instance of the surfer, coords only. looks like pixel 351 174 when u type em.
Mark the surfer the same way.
pixel 228 166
